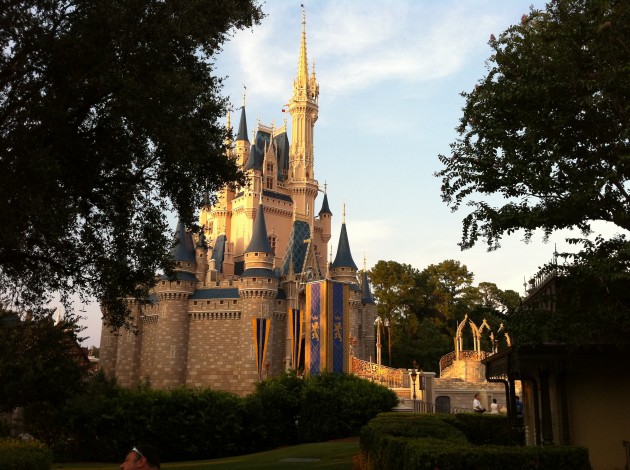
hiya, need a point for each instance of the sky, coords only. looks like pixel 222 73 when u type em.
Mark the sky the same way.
pixel 390 76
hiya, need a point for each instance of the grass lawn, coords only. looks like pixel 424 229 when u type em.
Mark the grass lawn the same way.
pixel 331 455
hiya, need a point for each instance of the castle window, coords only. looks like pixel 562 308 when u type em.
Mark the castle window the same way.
pixel 272 243
pixel 268 183
pixel 178 282
pixel 269 166
pixel 234 302
pixel 221 302
pixel 207 302
pixel 253 279
pixel 195 302
pixel 172 353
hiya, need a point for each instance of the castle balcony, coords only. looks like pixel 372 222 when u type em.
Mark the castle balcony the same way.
pixel 463 364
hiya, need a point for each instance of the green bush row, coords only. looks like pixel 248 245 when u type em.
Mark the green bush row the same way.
pixel 16 454
pixel 190 424
pixel 424 441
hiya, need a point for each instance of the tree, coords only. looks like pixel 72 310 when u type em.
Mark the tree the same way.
pixel 394 285
pixel 449 292
pixel 548 129
pixel 108 116
pixel 40 361
pixel 590 303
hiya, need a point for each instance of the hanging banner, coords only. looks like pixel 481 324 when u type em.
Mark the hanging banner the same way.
pixel 328 327
pixel 314 293
pixel 261 337
pixel 295 316
pixel 338 328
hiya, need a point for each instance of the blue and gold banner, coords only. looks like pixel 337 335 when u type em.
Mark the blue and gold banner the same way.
pixel 295 316
pixel 314 292
pixel 261 337
pixel 327 320
pixel 339 327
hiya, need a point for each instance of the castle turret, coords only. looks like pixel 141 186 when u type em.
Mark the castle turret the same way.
pixel 304 110
pixel 167 331
pixel 201 252
pixel 343 268
pixel 325 216
pixel 241 144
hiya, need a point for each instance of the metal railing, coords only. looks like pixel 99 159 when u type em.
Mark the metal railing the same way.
pixel 388 376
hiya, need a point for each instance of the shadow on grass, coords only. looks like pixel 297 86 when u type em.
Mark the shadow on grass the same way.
pixel 339 455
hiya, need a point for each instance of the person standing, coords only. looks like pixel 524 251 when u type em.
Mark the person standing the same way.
pixel 477 405
pixel 519 406
pixel 494 407
pixel 141 457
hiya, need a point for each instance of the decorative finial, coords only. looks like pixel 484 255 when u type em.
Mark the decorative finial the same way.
pixel 364 262
pixel 325 187
pixel 244 93
pixel 303 15
pixel 343 221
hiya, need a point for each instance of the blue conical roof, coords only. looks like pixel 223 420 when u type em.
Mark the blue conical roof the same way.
pixel 325 209
pixel 183 248
pixel 259 241
pixel 344 257
pixel 242 127
pixel 366 296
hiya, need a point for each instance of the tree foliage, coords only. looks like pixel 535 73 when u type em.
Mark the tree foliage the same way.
pixel 590 303
pixel 424 308
pixel 108 115
pixel 40 361
pixel 547 131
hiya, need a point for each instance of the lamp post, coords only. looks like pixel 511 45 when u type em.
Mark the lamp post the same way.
pixel 414 374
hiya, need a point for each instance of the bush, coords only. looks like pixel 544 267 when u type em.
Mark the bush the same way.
pixel 16 454
pixel 414 441
pixel 482 429
pixel 272 412
pixel 337 405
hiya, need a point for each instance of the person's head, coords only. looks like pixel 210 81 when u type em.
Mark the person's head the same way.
pixel 518 398
pixel 494 400
pixel 141 457
pixel 476 396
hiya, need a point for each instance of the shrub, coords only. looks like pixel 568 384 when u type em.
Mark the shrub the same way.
pixel 337 405
pixel 415 441
pixel 16 454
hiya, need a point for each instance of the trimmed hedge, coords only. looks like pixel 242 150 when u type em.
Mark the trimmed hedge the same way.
pixel 193 424
pixel 16 454
pixel 426 441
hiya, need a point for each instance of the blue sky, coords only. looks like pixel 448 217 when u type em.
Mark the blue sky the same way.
pixel 390 76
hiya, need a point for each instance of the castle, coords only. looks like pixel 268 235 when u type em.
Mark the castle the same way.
pixel 253 294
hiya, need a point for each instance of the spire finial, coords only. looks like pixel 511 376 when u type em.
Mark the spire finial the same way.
pixel 244 94
pixel 364 262
pixel 303 61
pixel 343 221
pixel 325 187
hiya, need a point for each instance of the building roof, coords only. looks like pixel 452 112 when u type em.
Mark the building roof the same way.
pixel 180 276
pixel 367 297
pixel 259 272
pixel 183 248
pixel 260 240
pixel 296 248
pixel 218 253
pixel 344 256
pixel 325 209
pixel 216 293
pixel 242 127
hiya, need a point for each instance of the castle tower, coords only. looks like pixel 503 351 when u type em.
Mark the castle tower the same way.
pixel 366 318
pixel 241 144
pixel 258 288
pixel 325 216
pixel 165 335
pixel 304 110
pixel 343 268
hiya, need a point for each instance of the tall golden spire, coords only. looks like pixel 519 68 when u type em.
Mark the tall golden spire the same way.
pixel 302 75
